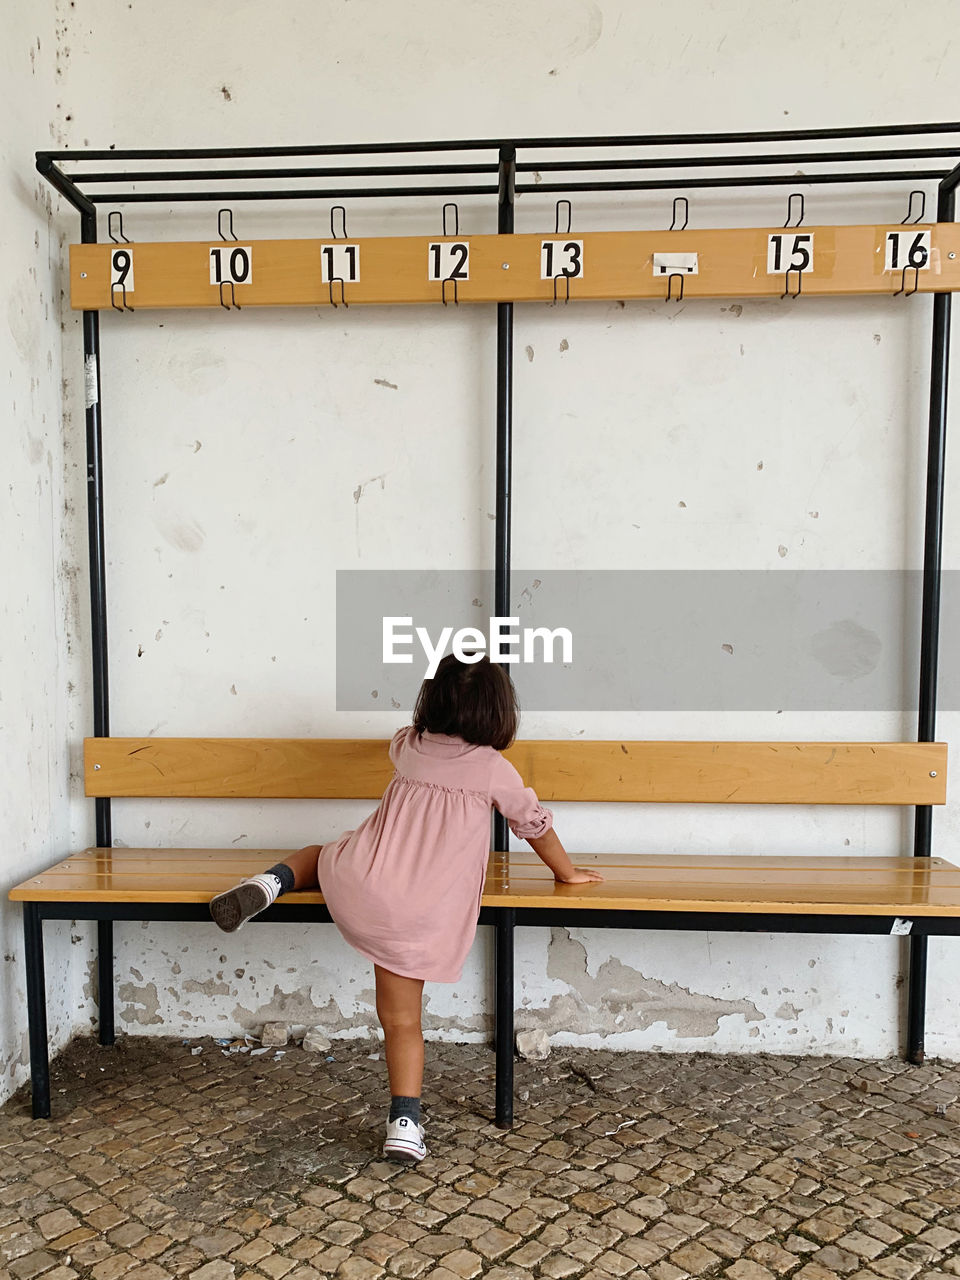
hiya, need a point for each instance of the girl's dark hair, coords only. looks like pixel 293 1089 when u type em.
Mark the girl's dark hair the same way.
pixel 475 701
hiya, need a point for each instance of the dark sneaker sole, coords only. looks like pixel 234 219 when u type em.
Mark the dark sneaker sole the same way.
pixel 231 909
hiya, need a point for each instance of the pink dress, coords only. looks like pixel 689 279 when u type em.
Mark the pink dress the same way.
pixel 404 889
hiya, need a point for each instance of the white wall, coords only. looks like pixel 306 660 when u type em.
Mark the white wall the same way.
pixel 235 446
pixel 42 620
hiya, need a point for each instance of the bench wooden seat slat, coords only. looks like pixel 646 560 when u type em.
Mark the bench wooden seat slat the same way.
pixel 558 770
pixel 875 886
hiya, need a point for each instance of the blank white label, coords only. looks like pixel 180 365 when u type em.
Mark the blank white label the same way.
pixel 91 383
pixel 448 260
pixel 789 251
pixel 906 249
pixel 901 926
pixel 670 264
pixel 121 270
pixel 231 264
pixel 561 258
pixel 339 262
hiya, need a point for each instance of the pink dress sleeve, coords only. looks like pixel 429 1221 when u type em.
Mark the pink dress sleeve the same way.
pixel 395 742
pixel 525 815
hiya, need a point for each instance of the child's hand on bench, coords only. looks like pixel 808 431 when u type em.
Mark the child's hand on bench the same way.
pixel 549 850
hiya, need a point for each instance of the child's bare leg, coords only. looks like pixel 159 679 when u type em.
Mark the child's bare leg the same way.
pixel 230 910
pixel 303 864
pixel 399 1005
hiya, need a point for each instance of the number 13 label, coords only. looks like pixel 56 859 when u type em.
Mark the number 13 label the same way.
pixel 448 261
pixel 561 258
pixel 789 251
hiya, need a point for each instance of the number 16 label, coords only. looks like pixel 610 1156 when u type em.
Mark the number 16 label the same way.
pixel 448 261
pixel 906 249
pixel 789 251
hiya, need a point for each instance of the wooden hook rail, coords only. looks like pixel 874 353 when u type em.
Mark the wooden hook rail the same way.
pixel 727 263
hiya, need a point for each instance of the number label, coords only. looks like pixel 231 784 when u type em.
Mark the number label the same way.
pixel 121 270
pixel 448 261
pixel 561 258
pixel 789 251
pixel 339 262
pixel 904 249
pixel 231 264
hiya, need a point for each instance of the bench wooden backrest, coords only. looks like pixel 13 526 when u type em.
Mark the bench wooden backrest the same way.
pixel 905 773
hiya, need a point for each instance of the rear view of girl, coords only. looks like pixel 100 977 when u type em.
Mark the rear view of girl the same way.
pixel 404 888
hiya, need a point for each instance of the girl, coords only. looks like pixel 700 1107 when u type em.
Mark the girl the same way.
pixel 404 889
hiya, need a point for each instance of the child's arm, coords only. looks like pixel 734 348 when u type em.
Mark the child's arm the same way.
pixel 549 850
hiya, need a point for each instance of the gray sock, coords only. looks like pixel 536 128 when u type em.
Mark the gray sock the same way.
pixel 401 1106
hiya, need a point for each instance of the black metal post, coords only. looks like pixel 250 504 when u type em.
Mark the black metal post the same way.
pixel 930 616
pixel 36 1010
pixel 98 617
pixel 503 997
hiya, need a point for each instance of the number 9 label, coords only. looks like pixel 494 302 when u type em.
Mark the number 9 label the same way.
pixel 121 270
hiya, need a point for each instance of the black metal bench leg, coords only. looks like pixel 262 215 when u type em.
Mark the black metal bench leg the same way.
pixel 105 980
pixel 506 922
pixel 917 1000
pixel 36 1010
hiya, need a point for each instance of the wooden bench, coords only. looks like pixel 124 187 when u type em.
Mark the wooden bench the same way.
pixel 858 894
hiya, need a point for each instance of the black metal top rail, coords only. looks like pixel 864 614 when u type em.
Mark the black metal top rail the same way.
pixel 144 176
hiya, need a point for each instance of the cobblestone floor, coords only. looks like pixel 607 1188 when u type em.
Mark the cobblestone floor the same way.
pixel 159 1163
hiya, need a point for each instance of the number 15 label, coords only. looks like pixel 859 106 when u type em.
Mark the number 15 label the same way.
pixel 789 251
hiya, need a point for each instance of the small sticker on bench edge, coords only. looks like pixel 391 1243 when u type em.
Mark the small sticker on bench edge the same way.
pixel 901 926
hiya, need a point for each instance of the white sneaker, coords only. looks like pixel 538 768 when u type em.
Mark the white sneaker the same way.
pixel 404 1140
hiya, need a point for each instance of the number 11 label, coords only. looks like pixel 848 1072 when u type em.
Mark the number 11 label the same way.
pixel 339 262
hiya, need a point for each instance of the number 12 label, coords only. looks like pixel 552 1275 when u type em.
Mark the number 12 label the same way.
pixel 448 261
pixel 561 258
pixel 339 262
pixel 789 252
pixel 906 249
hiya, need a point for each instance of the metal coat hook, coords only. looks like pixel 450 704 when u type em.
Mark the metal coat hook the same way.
pixel 793 271
pixel 674 275
pixel 119 216
pixel 456 219
pixel 230 235
pixel 903 282
pixel 794 195
pixel 343 297
pixel 233 303
pixel 923 208
pixel 343 222
pixel 680 200
pixel 443 290
pixel 117 284
pixel 557 231
pixel 566 280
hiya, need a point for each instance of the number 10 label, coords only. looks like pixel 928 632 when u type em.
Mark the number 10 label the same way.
pixel 789 251
pixel 231 265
